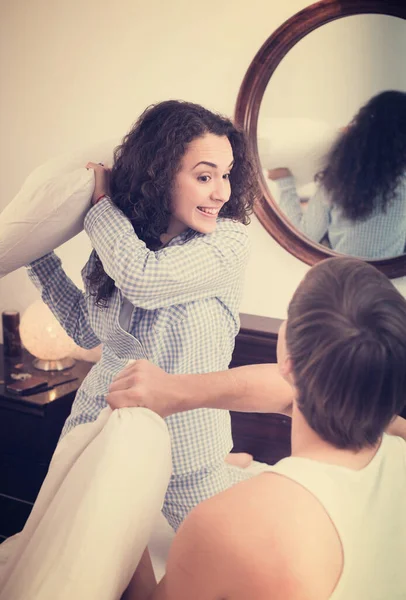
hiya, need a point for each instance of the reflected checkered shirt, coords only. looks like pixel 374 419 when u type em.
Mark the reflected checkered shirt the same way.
pixel 185 318
pixel 382 235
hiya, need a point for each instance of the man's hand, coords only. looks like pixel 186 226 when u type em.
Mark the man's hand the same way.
pixel 144 384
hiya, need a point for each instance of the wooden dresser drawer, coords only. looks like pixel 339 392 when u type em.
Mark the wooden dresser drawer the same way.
pixel 13 515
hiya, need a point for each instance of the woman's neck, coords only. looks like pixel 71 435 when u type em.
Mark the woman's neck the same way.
pixel 165 238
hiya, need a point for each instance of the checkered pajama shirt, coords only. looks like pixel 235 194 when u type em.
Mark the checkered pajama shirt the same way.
pixel 185 315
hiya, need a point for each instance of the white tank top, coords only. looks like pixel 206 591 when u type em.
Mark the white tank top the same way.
pixel 368 509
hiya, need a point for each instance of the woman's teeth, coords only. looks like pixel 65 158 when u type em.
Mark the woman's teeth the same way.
pixel 208 211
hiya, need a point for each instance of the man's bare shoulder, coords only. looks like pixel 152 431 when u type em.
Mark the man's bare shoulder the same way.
pixel 270 528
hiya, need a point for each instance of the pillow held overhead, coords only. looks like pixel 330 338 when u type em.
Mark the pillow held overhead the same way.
pixel 50 207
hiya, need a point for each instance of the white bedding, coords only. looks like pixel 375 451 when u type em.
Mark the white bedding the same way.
pixel 95 511
pixel 90 525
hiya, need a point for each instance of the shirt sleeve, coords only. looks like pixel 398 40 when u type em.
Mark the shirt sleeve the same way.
pixel 66 301
pixel 315 220
pixel 199 268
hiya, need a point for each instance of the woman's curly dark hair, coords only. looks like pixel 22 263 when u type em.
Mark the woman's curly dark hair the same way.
pixel 144 169
pixel 366 163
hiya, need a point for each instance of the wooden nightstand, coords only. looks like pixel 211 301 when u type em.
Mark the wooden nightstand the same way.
pixel 29 431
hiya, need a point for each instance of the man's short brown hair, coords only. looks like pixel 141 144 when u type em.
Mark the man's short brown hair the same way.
pixel 346 336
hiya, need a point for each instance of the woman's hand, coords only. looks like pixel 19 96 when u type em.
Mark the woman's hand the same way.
pixel 102 181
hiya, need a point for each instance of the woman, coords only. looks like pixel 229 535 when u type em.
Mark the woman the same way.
pixel 164 280
pixel 360 204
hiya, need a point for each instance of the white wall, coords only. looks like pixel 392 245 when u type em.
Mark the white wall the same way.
pixel 73 73
pixel 333 71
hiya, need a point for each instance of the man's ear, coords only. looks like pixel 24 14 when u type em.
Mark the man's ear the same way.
pixel 286 369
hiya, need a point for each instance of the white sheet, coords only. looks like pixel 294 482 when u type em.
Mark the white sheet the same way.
pixel 95 512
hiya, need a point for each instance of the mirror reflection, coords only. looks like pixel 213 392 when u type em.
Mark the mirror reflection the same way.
pixel 340 176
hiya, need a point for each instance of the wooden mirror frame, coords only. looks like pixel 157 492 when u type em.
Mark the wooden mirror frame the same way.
pixel 249 101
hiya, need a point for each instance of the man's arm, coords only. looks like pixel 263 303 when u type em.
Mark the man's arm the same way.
pixel 252 388
pixel 397 427
pixel 193 568
pixel 215 553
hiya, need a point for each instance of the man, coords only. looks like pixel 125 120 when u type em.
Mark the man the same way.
pixel 329 521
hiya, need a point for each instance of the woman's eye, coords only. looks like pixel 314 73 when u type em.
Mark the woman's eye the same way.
pixel 204 178
pixel 226 176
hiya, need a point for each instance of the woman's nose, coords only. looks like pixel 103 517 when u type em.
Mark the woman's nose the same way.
pixel 221 191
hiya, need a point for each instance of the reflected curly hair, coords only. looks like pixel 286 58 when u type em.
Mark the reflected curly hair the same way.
pixel 366 163
pixel 145 166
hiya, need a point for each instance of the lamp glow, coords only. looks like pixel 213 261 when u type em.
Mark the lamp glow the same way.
pixel 45 339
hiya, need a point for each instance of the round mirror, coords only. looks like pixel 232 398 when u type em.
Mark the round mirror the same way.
pixel 324 105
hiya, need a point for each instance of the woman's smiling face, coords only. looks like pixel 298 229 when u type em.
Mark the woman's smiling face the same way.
pixel 202 185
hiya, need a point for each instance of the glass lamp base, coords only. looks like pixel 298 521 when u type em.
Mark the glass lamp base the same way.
pixel 53 365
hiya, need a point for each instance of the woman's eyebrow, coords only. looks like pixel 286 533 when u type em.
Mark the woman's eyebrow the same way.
pixel 210 164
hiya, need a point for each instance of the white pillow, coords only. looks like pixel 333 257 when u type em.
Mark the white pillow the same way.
pixel 95 511
pixel 50 207
pixel 298 144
